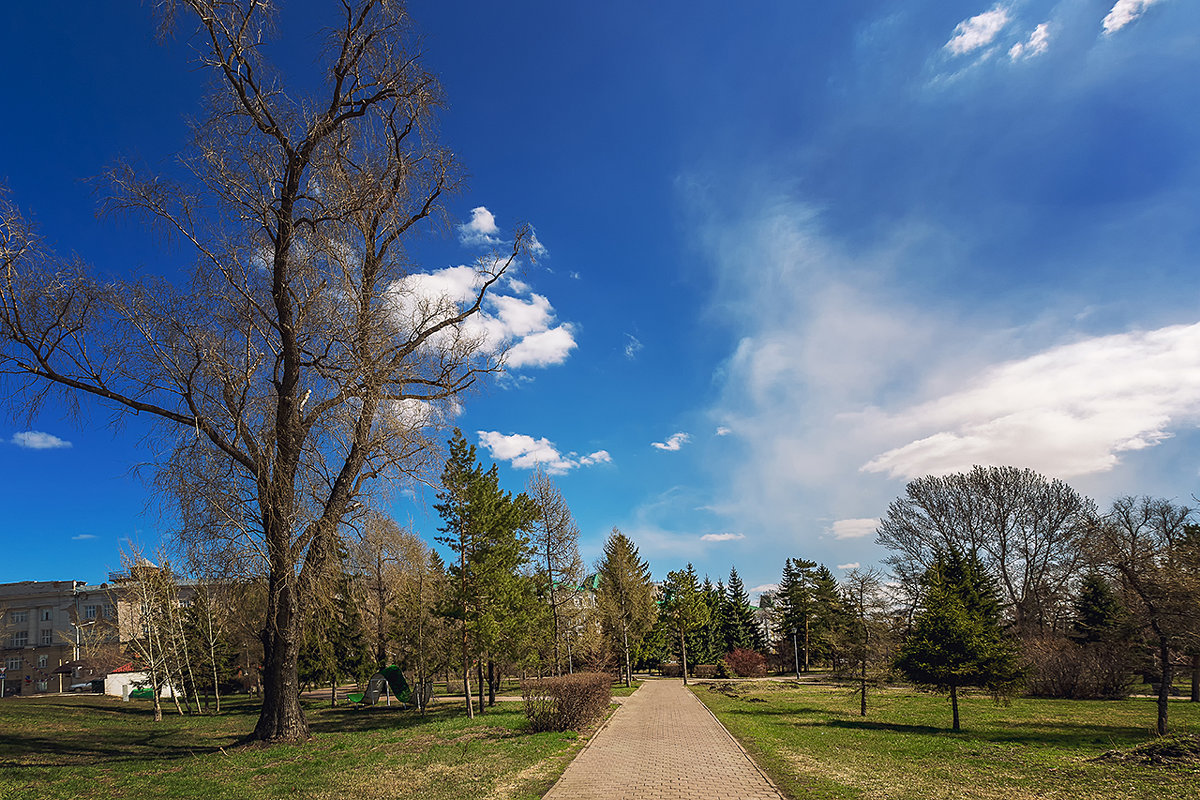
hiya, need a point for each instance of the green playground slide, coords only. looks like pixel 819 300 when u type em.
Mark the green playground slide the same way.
pixel 393 677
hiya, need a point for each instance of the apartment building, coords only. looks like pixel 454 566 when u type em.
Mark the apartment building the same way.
pixel 45 626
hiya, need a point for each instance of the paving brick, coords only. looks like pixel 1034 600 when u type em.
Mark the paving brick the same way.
pixel 663 744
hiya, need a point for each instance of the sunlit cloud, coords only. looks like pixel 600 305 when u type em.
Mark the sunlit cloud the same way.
pixel 673 442
pixel 854 528
pixel 722 537
pixel 36 440
pixel 526 452
pixel 1123 13
pixel 1070 410
pixel 851 565
pixel 978 31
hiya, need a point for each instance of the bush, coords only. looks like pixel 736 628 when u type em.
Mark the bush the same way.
pixel 568 702
pixel 746 663
pixel 705 671
pixel 1058 667
pixel 671 669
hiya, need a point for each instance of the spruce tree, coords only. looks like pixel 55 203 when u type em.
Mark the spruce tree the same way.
pixel 625 599
pixel 741 628
pixel 956 639
pixel 685 609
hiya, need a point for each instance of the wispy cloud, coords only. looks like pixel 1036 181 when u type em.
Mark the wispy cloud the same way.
pixel 633 346
pixel 723 431
pixel 978 31
pixel 526 452
pixel 854 528
pixel 36 440
pixel 673 442
pixel 1037 43
pixel 1070 410
pixel 851 565
pixel 722 537
pixel 83 536
pixel 1123 13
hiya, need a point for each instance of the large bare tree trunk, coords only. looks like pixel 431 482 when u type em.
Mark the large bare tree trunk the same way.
pixel 281 719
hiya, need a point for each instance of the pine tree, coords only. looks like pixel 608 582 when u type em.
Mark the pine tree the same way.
pixel 685 609
pixel 797 605
pixel 484 527
pixel 956 639
pixel 625 598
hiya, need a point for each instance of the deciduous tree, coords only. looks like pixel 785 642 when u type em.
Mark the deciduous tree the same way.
pixel 302 360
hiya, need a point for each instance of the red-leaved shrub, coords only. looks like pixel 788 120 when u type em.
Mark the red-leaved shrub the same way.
pixel 746 663
pixel 567 702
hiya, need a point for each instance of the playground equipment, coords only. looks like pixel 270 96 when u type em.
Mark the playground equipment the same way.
pixel 392 678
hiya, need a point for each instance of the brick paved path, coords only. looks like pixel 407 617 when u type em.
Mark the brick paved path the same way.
pixel 663 744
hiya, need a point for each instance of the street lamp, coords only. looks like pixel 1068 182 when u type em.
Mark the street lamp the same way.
pixel 796 652
pixel 77 626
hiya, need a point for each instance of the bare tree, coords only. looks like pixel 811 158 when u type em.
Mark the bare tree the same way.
pixel 1147 542
pixel 382 558
pixel 302 361
pixel 555 540
pixel 1025 529
pixel 868 631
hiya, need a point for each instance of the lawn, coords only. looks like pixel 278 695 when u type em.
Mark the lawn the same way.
pixel 812 742
pixel 96 747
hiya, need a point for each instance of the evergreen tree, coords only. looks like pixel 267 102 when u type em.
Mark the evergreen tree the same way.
pixel 334 643
pixel 484 527
pixel 741 629
pixel 797 605
pixel 625 599
pixel 1099 614
pixel 684 609
pixel 956 639
pixel 828 616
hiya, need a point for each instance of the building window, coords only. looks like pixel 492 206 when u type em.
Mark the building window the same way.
pixel 109 612
pixel 19 616
pixel 20 639
pixel 13 664
pixel 47 637
pixel 47 615
pixel 43 661
pixel 89 612
pixel 41 686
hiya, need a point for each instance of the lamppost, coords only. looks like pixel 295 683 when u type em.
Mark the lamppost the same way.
pixel 796 652
pixel 77 626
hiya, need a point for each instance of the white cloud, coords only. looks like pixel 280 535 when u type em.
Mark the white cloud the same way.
pixel 523 322
pixel 851 565
pixel 1071 410
pixel 525 452
pixel 723 431
pixel 673 442
pixel 575 276
pixel 722 537
pixel 632 346
pixel 543 348
pixel 978 31
pixel 83 536
pixel 481 231
pixel 1123 13
pixel 766 587
pixel 1037 43
pixel 854 528
pixel 36 440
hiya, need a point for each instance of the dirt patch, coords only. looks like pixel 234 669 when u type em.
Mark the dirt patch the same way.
pixel 1169 751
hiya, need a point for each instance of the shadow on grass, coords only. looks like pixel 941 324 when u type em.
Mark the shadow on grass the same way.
pixel 1064 734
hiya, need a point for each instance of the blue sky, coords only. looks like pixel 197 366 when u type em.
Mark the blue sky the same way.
pixel 795 255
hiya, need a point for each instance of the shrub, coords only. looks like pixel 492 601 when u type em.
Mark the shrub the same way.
pixel 1058 667
pixel 671 669
pixel 705 671
pixel 567 702
pixel 746 663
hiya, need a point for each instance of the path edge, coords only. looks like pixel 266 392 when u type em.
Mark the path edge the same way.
pixel 735 741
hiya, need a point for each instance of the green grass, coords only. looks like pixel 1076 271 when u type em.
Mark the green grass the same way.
pixel 812 742
pixel 620 690
pixel 95 747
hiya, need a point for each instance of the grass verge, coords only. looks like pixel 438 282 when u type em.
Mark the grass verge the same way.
pixel 812 742
pixel 96 747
